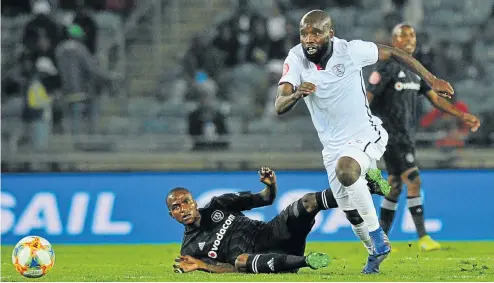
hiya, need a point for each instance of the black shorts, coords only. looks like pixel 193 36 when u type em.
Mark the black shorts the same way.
pixel 287 232
pixel 399 158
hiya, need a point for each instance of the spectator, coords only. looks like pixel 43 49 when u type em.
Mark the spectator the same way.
pixel 201 57
pixel 84 19
pixel 284 35
pixel 227 43
pixel 259 45
pixel 29 82
pixel 242 19
pixel 80 75
pixel 207 125
pixel 41 34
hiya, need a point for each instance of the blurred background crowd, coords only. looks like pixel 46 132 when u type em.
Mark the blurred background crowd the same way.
pixel 190 84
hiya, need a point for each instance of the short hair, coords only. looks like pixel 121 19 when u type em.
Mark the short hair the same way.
pixel 177 189
pixel 399 26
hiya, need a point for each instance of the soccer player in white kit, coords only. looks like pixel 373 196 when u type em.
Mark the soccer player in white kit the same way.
pixel 327 73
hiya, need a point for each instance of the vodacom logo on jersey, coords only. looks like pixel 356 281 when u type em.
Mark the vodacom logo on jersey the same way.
pixel 219 236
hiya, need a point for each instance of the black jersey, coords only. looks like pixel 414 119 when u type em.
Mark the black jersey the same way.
pixel 396 92
pixel 224 232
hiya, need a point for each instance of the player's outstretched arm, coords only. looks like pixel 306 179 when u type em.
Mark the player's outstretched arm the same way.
pixel 441 87
pixel 184 264
pixel 268 177
pixel 442 104
pixel 286 97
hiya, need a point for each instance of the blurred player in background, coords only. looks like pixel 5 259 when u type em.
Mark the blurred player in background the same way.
pixel 393 95
pixel 327 73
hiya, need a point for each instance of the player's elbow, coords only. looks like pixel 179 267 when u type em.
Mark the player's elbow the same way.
pixel 270 200
pixel 279 110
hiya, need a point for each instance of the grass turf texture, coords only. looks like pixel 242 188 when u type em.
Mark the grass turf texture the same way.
pixel 457 261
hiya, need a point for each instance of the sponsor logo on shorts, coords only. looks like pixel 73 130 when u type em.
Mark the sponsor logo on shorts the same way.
pixel 217 216
pixel 219 236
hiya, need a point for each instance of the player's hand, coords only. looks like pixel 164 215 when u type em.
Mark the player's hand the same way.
pixel 472 121
pixel 304 89
pixel 186 263
pixel 267 175
pixel 442 88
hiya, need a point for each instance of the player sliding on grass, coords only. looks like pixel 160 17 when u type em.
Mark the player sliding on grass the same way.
pixel 326 72
pixel 219 238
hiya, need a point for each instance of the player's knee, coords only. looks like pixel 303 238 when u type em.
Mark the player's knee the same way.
pixel 309 202
pixel 396 187
pixel 347 171
pixel 414 183
pixel 354 217
pixel 241 261
pixel 414 178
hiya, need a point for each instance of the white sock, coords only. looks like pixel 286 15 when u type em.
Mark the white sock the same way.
pixel 362 232
pixel 362 200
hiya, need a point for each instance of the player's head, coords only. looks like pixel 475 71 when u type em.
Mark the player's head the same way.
pixel 182 206
pixel 316 32
pixel 404 38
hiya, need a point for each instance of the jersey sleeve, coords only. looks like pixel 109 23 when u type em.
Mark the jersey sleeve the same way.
pixel 292 70
pixel 238 201
pixel 363 53
pixel 380 78
pixel 424 87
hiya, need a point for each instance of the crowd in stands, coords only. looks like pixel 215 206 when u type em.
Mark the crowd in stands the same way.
pixel 53 73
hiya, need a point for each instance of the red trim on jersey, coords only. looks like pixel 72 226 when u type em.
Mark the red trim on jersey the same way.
pixel 319 67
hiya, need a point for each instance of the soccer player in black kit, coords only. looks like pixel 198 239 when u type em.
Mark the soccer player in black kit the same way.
pixel 219 238
pixel 393 93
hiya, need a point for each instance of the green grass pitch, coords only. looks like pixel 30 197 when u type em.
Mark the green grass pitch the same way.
pixel 457 261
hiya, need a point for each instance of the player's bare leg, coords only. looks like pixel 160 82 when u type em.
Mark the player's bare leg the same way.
pixel 278 263
pixel 390 203
pixel 411 178
pixel 348 173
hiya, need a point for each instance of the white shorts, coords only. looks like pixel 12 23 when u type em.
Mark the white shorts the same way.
pixel 366 148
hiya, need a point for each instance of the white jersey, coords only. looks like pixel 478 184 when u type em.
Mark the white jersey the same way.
pixel 339 106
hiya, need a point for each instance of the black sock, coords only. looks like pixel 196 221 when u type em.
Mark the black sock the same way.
pixel 417 210
pixel 274 263
pixel 326 200
pixel 388 209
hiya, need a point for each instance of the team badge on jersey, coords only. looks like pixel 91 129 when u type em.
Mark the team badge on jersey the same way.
pixel 286 68
pixel 217 216
pixel 339 70
pixel 375 78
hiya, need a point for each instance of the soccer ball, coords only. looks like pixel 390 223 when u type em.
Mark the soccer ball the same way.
pixel 33 256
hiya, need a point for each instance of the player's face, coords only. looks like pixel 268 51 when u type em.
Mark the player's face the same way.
pixel 315 40
pixel 183 207
pixel 405 39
